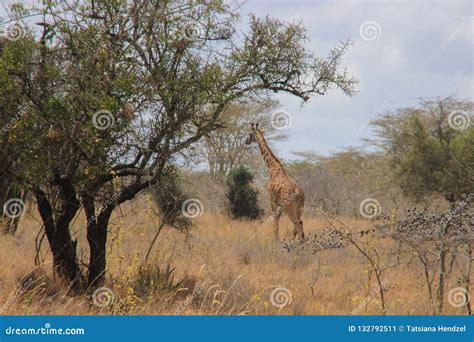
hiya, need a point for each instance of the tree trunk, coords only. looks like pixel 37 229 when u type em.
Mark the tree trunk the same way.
pixel 97 239
pixel 467 278
pixel 441 278
pixel 63 248
pixel 443 251
pixel 97 226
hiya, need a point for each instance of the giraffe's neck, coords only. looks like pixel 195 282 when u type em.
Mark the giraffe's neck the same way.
pixel 274 165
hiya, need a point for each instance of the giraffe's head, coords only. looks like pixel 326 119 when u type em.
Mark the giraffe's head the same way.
pixel 252 137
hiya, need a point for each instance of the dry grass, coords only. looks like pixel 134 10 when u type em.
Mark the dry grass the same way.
pixel 232 266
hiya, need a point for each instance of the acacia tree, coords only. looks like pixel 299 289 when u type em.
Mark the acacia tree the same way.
pixel 432 152
pixel 434 239
pixel 430 147
pixel 119 89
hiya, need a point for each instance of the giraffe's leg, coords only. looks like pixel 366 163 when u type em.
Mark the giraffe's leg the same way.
pixel 276 213
pixel 300 230
pixel 300 214
pixel 295 216
pixel 277 227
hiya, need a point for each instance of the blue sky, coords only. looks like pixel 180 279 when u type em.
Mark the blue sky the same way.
pixel 411 49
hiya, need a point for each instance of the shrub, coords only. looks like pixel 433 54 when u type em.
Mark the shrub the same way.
pixel 243 199
pixel 169 196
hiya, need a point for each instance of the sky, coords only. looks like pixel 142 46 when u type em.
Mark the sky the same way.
pixel 402 51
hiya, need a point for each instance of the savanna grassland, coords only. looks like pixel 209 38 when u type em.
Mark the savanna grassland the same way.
pixel 221 266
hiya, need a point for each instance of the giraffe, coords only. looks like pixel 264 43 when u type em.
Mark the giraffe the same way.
pixel 285 195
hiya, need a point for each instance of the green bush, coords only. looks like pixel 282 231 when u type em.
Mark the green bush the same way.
pixel 243 199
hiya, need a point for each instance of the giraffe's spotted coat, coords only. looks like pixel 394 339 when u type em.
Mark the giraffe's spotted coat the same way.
pixel 285 194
